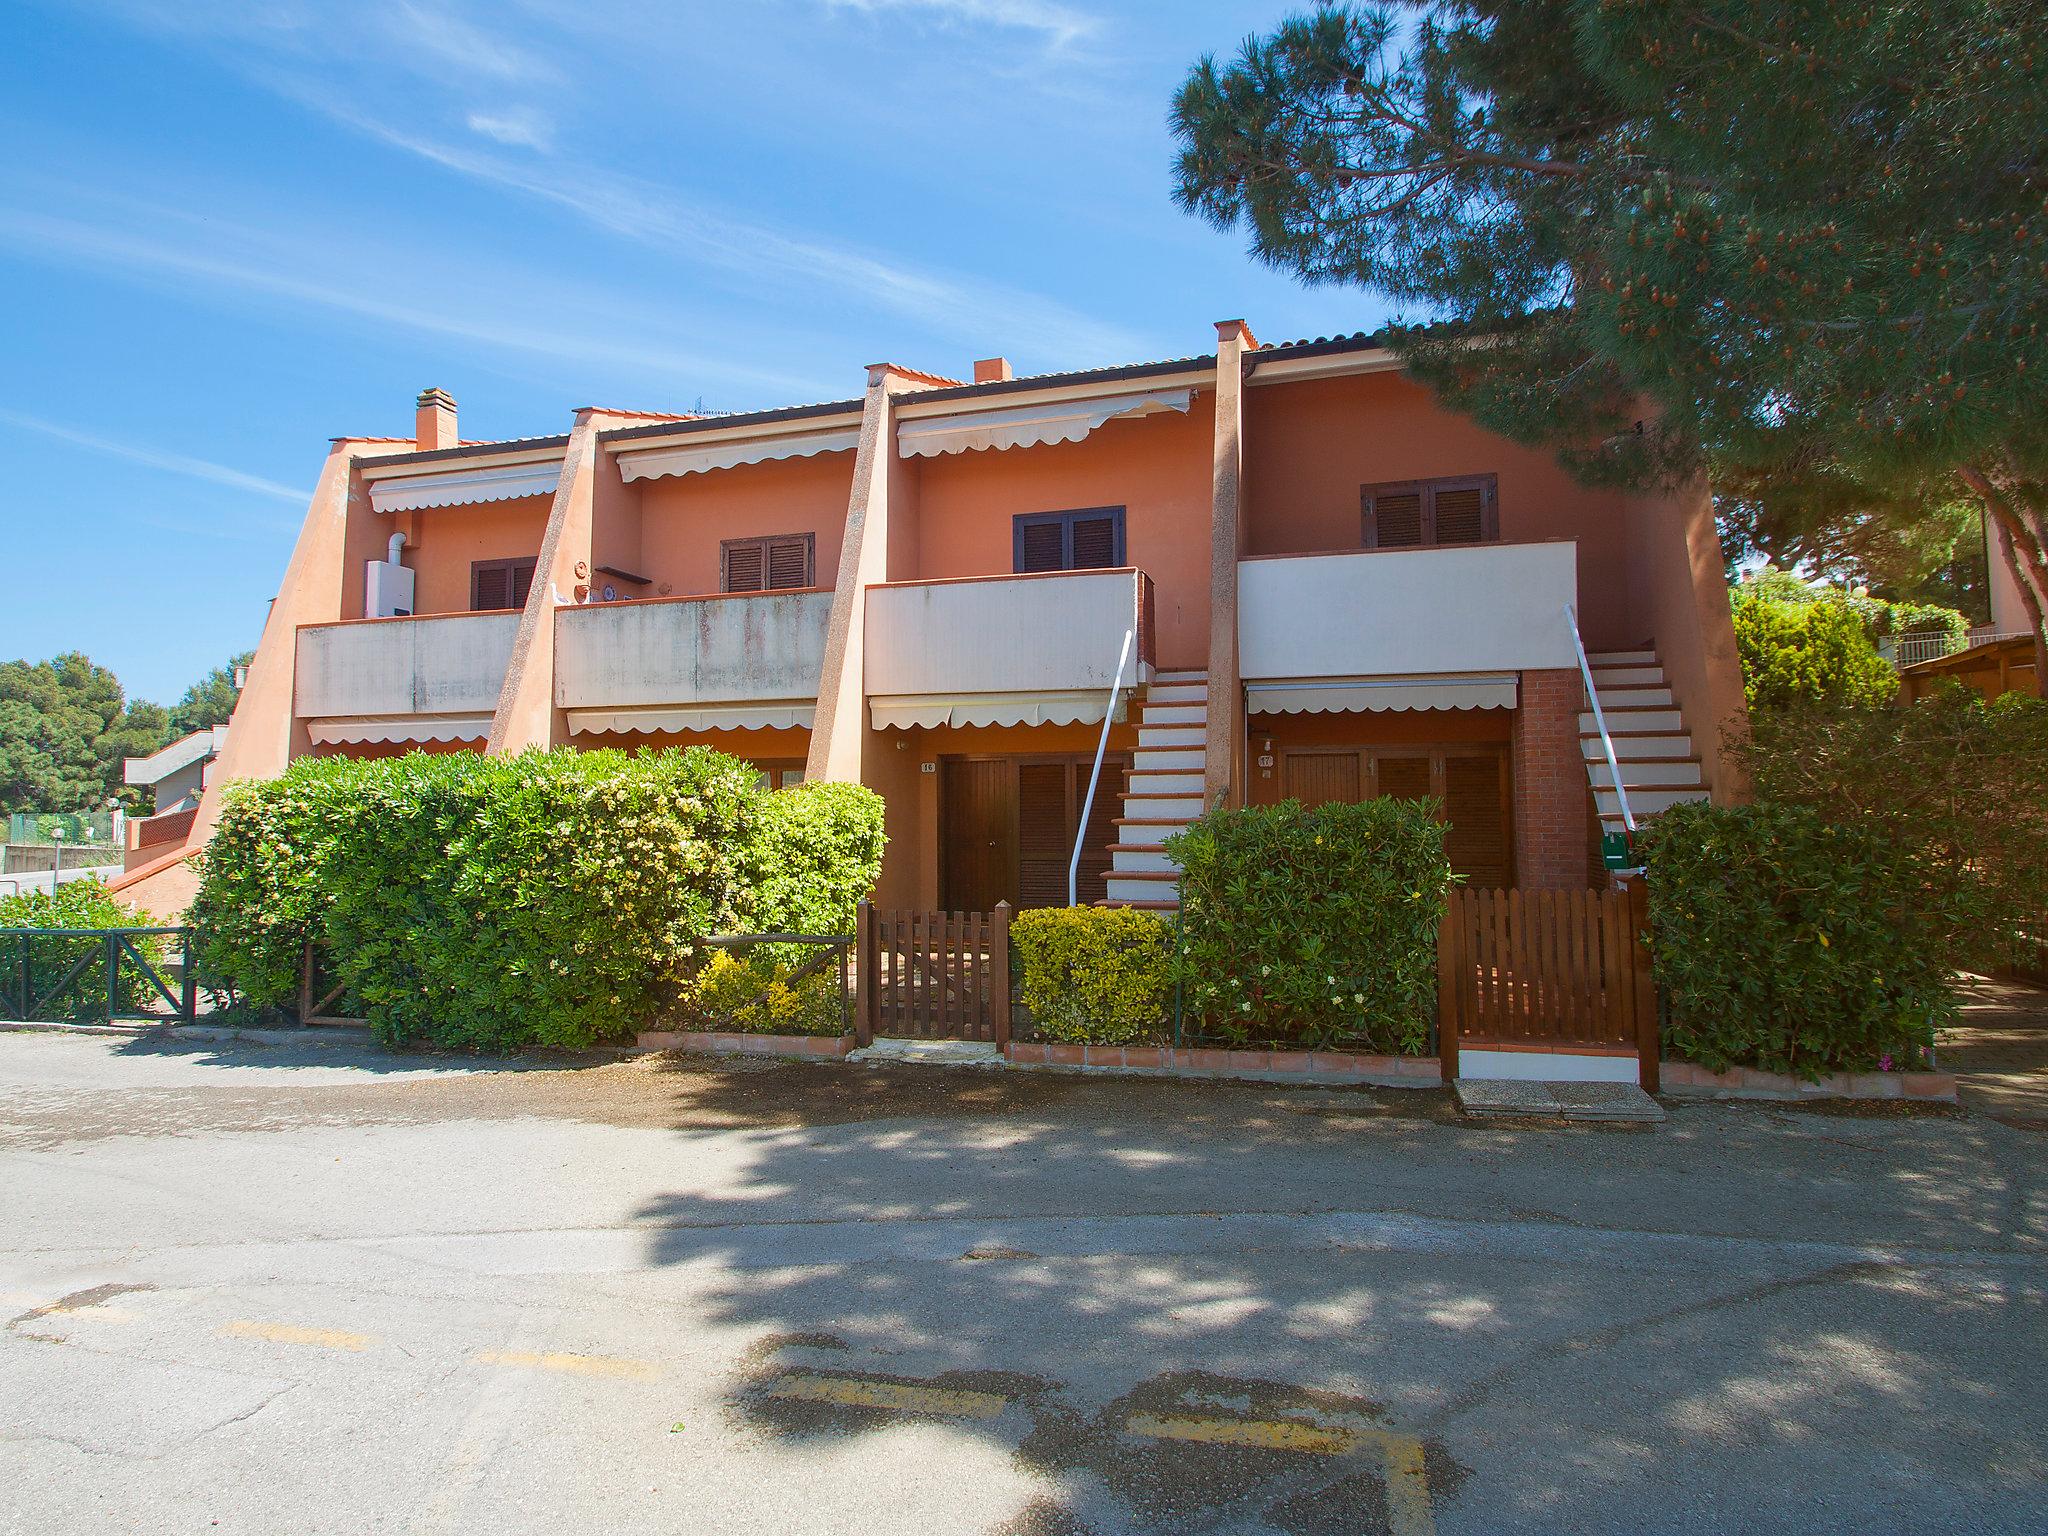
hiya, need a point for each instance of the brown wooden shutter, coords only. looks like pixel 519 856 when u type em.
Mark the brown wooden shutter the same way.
pixel 1094 544
pixel 1044 836
pixel 746 565
pixel 1393 519
pixel 789 562
pixel 1402 777
pixel 1318 778
pixel 1041 547
pixel 1476 807
pixel 1460 514
pixel 489 586
pixel 522 582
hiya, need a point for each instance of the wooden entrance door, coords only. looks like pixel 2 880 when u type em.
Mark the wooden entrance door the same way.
pixel 1471 783
pixel 1007 824
pixel 977 833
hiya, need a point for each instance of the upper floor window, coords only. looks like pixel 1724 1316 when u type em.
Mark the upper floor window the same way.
pixel 1091 539
pixel 1417 513
pixel 500 583
pixel 772 564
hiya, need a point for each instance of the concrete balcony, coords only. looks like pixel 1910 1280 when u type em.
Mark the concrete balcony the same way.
pixel 1403 629
pixel 696 663
pixel 391 680
pixel 1004 650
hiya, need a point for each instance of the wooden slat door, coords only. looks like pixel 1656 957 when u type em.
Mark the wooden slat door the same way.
pixel 978 833
pixel 1320 778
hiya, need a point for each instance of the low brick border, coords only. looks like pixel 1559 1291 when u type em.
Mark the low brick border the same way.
pixel 1261 1066
pixel 1689 1080
pixel 738 1044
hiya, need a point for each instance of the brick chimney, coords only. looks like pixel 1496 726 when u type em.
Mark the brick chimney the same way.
pixel 434 424
pixel 992 370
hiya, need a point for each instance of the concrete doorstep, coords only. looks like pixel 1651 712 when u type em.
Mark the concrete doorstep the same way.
pixel 1505 1098
pixel 931 1052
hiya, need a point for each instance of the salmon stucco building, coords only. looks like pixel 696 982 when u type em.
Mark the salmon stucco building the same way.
pixel 1318 582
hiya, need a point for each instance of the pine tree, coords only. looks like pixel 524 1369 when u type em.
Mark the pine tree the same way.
pixel 1801 245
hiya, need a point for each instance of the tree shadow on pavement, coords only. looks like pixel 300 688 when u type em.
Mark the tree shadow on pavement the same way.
pixel 1563 1319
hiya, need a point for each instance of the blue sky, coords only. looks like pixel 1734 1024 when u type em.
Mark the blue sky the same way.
pixel 231 231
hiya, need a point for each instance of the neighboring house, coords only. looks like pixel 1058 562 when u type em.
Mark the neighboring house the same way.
pixel 177 775
pixel 1989 662
pixel 1334 588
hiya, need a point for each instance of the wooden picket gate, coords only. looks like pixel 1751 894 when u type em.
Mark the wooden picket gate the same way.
pixel 933 975
pixel 1557 971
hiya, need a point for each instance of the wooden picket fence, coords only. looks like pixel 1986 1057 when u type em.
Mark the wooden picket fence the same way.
pixel 932 975
pixel 1547 971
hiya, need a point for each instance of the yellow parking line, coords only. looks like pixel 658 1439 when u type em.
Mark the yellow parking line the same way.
pixel 901 1396
pixel 568 1364
pixel 291 1333
pixel 1408 1511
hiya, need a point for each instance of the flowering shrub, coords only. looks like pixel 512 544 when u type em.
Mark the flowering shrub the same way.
pixel 554 898
pixel 1791 943
pixel 755 996
pixel 1094 975
pixel 1312 926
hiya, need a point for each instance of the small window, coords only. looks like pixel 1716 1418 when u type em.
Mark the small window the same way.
pixel 775 564
pixel 500 583
pixel 1091 539
pixel 1417 514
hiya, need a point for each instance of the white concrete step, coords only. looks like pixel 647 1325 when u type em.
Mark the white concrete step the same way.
pixel 1659 720
pixel 1141 861
pixel 1181 677
pixel 1679 774
pixel 1177 693
pixel 1171 736
pixel 1180 783
pixel 1645 800
pixel 1620 658
pixel 1166 759
pixel 928 1052
pixel 1634 698
pixel 1618 677
pixel 1176 714
pixel 1180 807
pixel 1132 888
pixel 1638 748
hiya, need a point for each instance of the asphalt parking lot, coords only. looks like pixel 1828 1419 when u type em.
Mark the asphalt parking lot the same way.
pixel 314 1288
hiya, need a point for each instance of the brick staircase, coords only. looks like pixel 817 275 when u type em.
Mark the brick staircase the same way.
pixel 1659 768
pixel 1162 792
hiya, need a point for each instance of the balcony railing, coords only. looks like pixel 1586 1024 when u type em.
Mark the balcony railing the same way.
pixel 687 663
pixel 451 664
pixel 1043 634
pixel 1482 608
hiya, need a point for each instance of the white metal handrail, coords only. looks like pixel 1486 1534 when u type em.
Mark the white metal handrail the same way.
pixel 1571 620
pixel 1095 774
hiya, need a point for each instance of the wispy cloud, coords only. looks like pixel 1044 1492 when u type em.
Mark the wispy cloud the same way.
pixel 1059 25
pixel 175 463
pixel 520 126
pixel 494 309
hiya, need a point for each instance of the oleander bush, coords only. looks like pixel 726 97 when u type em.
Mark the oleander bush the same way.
pixel 554 898
pixel 1785 941
pixel 1094 975
pixel 1310 927
pixel 77 904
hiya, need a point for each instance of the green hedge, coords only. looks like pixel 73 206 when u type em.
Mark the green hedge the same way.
pixel 554 898
pixel 1816 652
pixel 1790 943
pixel 1095 975
pixel 752 994
pixel 77 904
pixel 1310 927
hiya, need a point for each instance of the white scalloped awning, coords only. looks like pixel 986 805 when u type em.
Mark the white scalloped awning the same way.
pixel 501 484
pixel 701 717
pixel 1077 708
pixel 358 728
pixel 754 450
pixel 1066 421
pixel 1326 695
